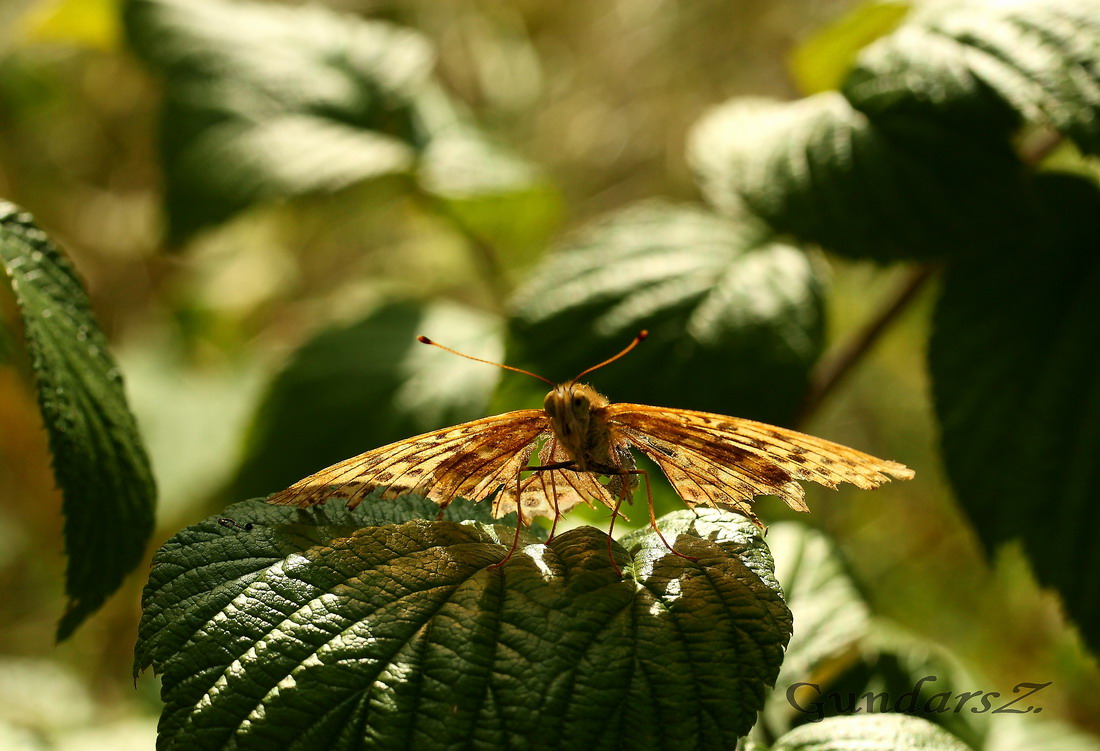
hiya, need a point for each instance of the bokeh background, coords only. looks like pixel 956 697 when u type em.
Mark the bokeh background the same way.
pixel 601 97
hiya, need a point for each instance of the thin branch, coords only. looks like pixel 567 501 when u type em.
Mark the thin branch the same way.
pixel 835 367
pixel 832 369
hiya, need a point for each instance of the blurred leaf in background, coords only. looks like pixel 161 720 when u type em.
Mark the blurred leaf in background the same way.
pixel 822 61
pixel 855 188
pixel 1016 372
pixel 307 100
pixel 359 386
pixel 93 23
pixel 735 320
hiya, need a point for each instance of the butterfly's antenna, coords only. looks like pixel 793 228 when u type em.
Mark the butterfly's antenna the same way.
pixel 641 335
pixel 426 340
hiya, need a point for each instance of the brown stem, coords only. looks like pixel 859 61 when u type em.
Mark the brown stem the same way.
pixel 835 367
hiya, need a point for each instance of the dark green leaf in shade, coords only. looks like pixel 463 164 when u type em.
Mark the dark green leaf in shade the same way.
pixel 264 101
pixel 333 629
pixel 823 172
pixel 987 67
pixel 873 732
pixel 99 460
pixel 1016 381
pixel 735 322
pixel 362 385
pixel 833 618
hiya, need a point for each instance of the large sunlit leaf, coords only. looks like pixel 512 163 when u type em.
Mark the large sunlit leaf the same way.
pixel 988 66
pixel 99 460
pixel 874 732
pixel 265 101
pixel 1016 376
pixel 823 172
pixel 734 322
pixel 362 385
pixel 336 629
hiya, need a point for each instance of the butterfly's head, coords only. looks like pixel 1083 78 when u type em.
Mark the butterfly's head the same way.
pixel 570 407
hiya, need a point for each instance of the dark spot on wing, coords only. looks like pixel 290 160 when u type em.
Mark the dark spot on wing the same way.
pixel 663 449
pixel 774 473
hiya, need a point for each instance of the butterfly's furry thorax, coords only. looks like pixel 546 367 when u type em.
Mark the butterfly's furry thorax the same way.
pixel 577 418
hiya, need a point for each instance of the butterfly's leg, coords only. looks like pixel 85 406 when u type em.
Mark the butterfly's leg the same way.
pixel 519 523
pixel 652 515
pixel 519 505
pixel 554 498
pixel 615 515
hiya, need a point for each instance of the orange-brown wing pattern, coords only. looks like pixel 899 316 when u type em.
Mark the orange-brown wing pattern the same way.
pixel 470 460
pixel 552 492
pixel 714 459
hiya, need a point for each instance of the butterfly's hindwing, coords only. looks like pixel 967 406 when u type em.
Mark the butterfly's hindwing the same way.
pixel 551 492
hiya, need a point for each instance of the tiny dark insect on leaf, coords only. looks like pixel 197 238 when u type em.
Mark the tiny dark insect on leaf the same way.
pixel 225 521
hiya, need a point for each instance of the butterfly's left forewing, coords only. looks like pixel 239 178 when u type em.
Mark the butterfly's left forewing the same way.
pixel 471 460
pixel 715 459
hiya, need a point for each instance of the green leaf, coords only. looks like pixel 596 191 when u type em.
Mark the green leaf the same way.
pixel 988 67
pixel 875 732
pixel 1016 383
pixel 98 457
pixel 891 670
pixel 735 322
pixel 823 172
pixel 821 62
pixel 265 101
pixel 192 417
pixel 832 618
pixel 355 387
pixel 326 629
pixel 501 201
pixel 843 660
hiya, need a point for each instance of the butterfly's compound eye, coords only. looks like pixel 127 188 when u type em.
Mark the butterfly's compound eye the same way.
pixel 552 403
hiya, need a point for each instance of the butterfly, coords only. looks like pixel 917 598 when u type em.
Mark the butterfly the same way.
pixel 581 438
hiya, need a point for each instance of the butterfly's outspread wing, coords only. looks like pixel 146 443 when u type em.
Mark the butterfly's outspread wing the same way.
pixel 471 461
pixel 714 459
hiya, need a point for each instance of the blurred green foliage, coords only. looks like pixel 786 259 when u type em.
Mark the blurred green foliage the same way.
pixel 266 202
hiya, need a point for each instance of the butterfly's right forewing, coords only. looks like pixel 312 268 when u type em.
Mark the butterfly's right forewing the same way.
pixel 727 461
pixel 471 460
